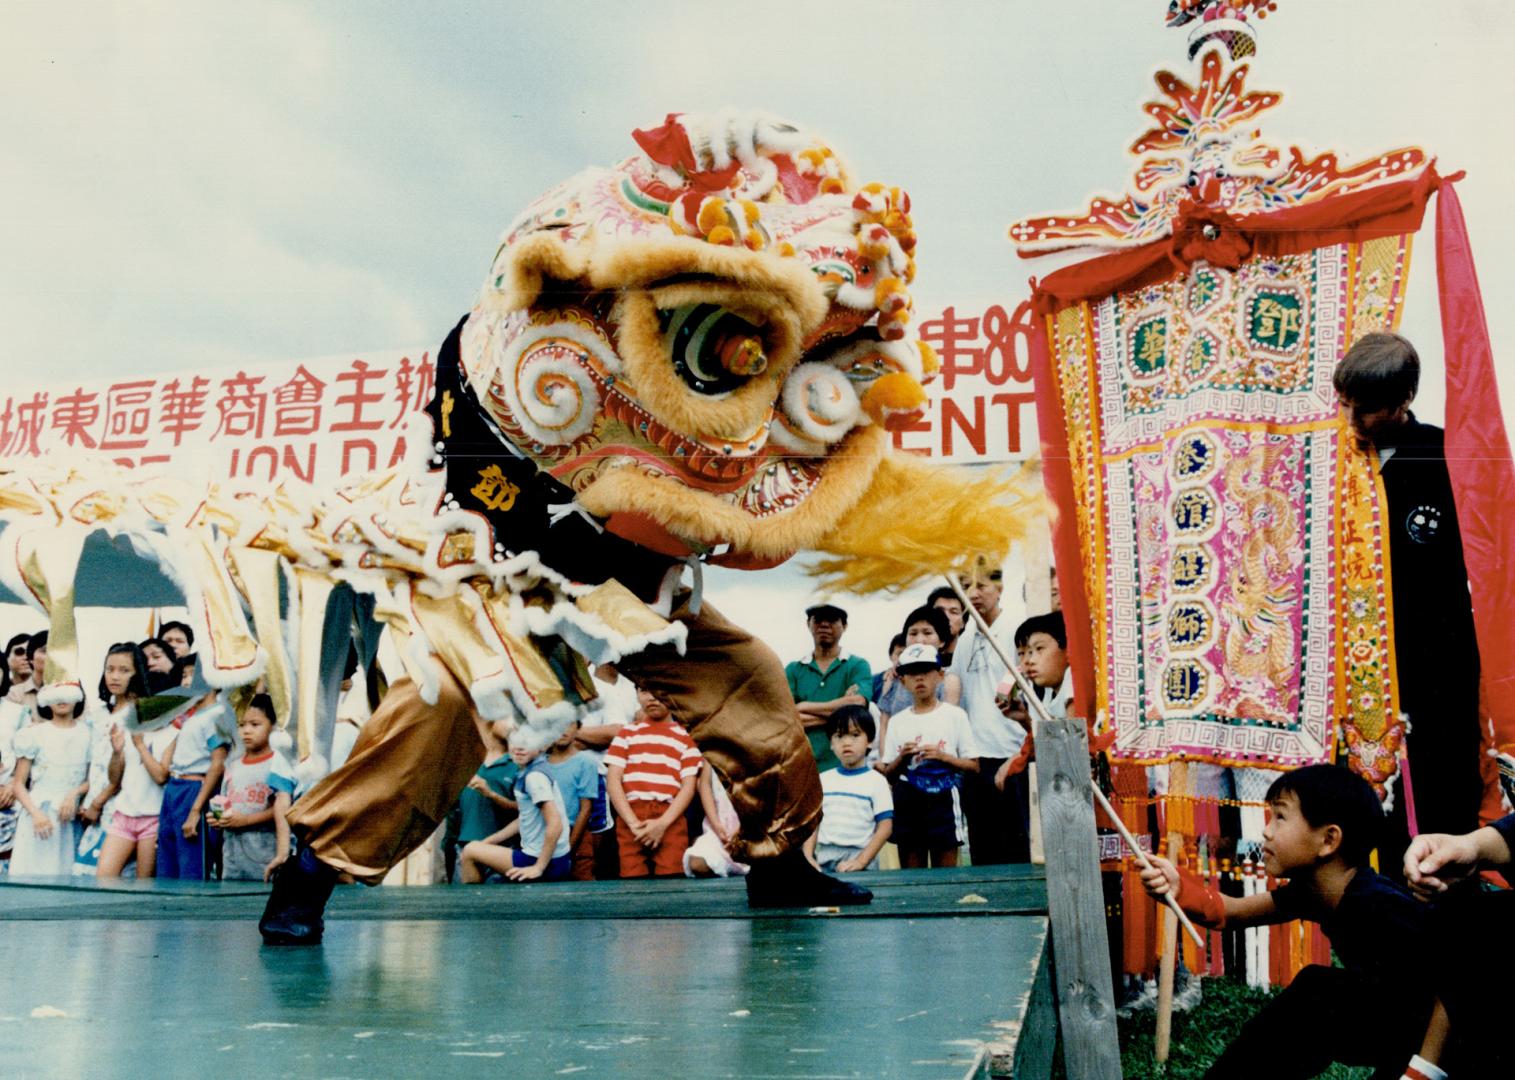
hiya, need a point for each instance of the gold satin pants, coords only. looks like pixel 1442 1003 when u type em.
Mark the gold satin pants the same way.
pixel 412 760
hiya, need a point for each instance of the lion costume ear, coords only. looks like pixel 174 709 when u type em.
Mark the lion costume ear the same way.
pixel 918 521
pixel 535 264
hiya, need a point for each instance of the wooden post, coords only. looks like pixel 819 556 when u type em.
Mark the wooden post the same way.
pixel 1165 971
pixel 1076 902
pixel 1178 784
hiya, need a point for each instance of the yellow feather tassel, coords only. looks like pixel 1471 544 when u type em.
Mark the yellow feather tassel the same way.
pixel 919 521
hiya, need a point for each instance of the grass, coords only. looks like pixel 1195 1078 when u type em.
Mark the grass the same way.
pixel 1198 1036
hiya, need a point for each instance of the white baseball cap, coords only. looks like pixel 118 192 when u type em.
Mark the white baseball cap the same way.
pixel 918 655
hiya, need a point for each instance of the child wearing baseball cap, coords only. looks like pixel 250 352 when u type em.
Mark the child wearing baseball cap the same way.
pixel 927 749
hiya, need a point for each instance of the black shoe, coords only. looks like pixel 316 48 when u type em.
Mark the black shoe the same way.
pixel 789 881
pixel 301 888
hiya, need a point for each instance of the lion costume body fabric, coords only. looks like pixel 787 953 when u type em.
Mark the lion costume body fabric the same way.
pixel 692 356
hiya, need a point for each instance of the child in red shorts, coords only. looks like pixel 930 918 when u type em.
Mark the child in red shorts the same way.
pixel 651 768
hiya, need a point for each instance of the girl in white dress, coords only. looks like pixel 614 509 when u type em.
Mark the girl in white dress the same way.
pixel 52 769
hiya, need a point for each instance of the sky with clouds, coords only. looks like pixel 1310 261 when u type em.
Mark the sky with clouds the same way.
pixel 194 186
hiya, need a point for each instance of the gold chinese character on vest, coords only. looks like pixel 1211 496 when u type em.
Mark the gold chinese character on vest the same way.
pixel 494 491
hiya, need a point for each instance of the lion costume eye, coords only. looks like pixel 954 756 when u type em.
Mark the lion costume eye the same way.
pixel 713 350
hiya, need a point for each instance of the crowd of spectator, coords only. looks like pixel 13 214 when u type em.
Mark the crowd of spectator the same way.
pixel 915 761
pixel 943 724
pixel 150 776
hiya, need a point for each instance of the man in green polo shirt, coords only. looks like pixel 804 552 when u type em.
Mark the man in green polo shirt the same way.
pixel 827 679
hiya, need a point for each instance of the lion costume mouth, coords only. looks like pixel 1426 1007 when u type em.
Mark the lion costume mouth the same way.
pixel 711 335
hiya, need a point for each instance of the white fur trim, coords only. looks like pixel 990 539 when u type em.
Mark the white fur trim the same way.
pixel 420 665
pixel 64 693
pixel 586 635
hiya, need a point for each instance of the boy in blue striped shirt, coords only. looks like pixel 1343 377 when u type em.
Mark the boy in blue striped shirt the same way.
pixel 857 808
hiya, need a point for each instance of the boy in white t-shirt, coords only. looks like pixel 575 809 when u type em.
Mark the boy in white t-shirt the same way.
pixel 857 809
pixel 541 823
pixel 927 749
pixel 256 793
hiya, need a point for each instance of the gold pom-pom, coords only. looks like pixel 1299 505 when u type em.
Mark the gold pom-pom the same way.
pixel 894 399
pixel 930 362
pixel 712 216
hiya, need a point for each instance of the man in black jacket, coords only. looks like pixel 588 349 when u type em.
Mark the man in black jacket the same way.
pixel 1434 642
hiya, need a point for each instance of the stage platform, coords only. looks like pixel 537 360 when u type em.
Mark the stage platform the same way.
pixel 944 975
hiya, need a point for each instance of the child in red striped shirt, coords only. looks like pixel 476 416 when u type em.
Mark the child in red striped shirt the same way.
pixel 651 769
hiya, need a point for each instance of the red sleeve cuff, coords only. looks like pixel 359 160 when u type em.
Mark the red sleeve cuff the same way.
pixel 1203 905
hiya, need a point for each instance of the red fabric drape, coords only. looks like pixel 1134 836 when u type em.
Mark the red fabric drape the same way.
pixel 1478 459
pixel 1381 211
pixel 1057 476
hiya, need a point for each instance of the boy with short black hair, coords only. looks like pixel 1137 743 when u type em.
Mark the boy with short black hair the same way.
pixel 256 792
pixel 1041 651
pixel 857 808
pixel 927 749
pixel 1041 645
pixel 1324 821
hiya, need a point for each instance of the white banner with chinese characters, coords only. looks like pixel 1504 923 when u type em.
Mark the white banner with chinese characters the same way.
pixel 982 406
pixel 312 420
pixel 317 420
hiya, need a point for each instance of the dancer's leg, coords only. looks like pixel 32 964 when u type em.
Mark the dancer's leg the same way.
pixel 729 690
pixel 404 774
pixel 407 768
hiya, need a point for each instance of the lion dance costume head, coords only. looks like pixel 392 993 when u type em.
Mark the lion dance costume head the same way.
pixel 707 342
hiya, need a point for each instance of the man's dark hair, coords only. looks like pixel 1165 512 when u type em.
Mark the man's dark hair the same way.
pixel 1333 795
pixel 189 635
pixel 1050 624
pixel 848 717
pixel 896 642
pixel 942 592
pixel 1380 371
pixel 264 704
pixel 35 642
pixel 935 616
